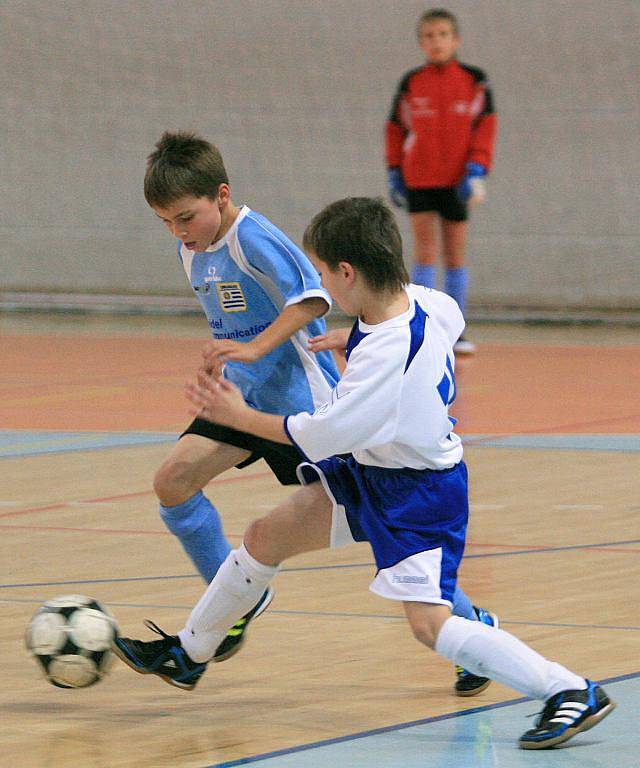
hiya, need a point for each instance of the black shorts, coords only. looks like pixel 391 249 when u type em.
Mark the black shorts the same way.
pixel 442 200
pixel 282 459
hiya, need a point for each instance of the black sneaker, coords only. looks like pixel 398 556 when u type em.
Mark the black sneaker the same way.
pixel 165 658
pixel 467 683
pixel 238 632
pixel 566 714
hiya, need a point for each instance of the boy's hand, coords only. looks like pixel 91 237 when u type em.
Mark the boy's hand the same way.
pixel 397 189
pixel 335 340
pixel 472 187
pixel 216 353
pixel 217 400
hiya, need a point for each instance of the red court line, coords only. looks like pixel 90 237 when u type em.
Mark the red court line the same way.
pixel 136 532
pixel 120 497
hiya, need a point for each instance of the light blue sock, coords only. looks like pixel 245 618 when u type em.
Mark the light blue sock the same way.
pixel 455 284
pixel 197 524
pixel 423 274
pixel 462 606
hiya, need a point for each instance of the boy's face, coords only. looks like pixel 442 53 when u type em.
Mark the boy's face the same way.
pixel 195 220
pixel 337 283
pixel 438 40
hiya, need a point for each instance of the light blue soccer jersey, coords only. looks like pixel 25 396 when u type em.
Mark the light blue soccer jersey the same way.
pixel 243 282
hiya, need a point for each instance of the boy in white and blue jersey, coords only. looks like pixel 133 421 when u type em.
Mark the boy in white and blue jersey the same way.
pixel 403 487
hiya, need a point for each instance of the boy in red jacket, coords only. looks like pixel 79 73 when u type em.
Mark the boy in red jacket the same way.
pixel 439 147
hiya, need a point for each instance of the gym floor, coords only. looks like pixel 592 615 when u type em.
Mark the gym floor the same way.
pixel 330 675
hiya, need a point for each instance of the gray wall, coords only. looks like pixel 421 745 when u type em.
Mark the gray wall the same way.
pixel 295 93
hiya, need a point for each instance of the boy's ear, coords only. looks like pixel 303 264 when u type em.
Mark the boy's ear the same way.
pixel 224 194
pixel 348 272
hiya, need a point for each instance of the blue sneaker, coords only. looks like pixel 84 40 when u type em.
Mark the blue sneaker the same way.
pixel 165 658
pixel 567 714
pixel 467 683
pixel 238 632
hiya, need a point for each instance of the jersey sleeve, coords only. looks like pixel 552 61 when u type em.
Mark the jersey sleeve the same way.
pixel 363 408
pixel 396 128
pixel 485 125
pixel 281 267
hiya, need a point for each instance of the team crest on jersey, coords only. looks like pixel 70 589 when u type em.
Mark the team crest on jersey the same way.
pixel 231 297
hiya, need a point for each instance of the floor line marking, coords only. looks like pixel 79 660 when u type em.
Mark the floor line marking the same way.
pixel 388 728
pixel 122 496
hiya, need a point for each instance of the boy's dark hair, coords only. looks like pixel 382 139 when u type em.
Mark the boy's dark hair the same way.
pixel 183 164
pixel 363 232
pixel 439 13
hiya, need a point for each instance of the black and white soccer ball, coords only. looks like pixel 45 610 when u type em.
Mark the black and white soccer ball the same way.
pixel 71 638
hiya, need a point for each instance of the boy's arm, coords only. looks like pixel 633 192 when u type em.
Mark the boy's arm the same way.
pixel 484 130
pixel 221 401
pixel 288 322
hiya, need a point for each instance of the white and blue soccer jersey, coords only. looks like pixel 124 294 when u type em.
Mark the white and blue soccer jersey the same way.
pixel 404 487
pixel 243 283
pixel 391 406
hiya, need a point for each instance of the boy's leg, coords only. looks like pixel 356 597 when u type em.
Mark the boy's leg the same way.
pixel 302 523
pixel 454 242
pixel 502 657
pixel 456 275
pixel 425 247
pixel 185 510
pixel 468 684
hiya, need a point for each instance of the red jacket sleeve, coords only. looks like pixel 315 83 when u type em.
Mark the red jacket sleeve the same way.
pixel 485 127
pixel 396 128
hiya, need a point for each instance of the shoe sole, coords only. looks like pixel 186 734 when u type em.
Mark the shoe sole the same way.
pixel 129 663
pixel 238 647
pixel 586 725
pixel 484 686
pixel 473 691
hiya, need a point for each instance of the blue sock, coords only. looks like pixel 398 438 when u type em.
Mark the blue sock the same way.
pixel 197 524
pixel 455 284
pixel 423 274
pixel 462 606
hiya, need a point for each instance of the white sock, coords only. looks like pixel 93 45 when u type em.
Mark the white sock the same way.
pixel 496 654
pixel 236 588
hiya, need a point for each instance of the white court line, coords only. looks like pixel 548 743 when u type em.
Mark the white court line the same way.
pixel 578 506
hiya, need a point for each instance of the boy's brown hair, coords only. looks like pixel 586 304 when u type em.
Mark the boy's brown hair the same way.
pixel 363 232
pixel 439 13
pixel 183 164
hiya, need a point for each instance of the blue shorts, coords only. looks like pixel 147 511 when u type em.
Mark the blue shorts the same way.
pixel 415 521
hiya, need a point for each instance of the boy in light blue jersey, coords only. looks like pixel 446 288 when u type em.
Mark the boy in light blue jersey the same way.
pixel 263 300
pixel 403 486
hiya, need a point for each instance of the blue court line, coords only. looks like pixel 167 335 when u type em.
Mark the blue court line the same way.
pixel 15 443
pixel 303 569
pixel 18 443
pixel 410 724
pixel 274 612
pixel 628 443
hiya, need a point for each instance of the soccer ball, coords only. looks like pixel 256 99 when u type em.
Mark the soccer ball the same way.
pixel 71 637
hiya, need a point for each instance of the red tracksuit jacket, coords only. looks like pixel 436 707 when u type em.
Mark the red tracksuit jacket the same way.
pixel 442 117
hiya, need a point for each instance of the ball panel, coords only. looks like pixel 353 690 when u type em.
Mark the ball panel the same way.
pixel 47 633
pixel 91 629
pixel 70 637
pixel 72 671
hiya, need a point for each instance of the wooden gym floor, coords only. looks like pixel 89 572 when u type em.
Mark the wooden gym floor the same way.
pixel 330 676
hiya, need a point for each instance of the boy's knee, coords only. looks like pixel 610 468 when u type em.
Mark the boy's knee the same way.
pixel 425 634
pixel 426 621
pixel 172 485
pixel 259 540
